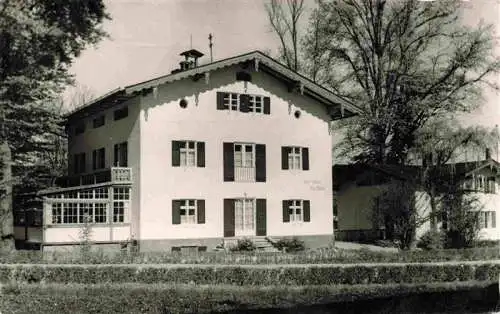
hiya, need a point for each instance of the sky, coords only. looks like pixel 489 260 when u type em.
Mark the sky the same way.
pixel 146 37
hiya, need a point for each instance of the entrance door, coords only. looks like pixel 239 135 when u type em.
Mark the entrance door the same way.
pixel 244 217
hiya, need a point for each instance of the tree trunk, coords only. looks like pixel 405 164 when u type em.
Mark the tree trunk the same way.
pixel 6 212
pixel 433 215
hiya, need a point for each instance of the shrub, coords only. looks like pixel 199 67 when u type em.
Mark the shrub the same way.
pixel 432 240
pixel 292 275
pixel 290 245
pixel 245 245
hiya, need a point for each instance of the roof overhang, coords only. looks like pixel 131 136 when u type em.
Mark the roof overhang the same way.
pixel 492 164
pixel 338 107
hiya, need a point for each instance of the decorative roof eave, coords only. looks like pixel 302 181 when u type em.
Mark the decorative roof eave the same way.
pixel 489 163
pixel 261 61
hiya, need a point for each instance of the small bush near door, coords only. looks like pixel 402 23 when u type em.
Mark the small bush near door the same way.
pixel 245 245
pixel 290 245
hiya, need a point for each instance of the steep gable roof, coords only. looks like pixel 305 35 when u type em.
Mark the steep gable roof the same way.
pixel 340 107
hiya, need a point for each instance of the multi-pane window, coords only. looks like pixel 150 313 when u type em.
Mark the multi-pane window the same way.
pixel 231 101
pixel 188 153
pixel 244 155
pixel 118 212
pixel 296 211
pixel 256 104
pixel 244 214
pixel 295 158
pixel 121 155
pixel 85 213
pixel 98 121
pixel 101 193
pixel 98 158
pixel 121 197
pixel 86 194
pixel 100 215
pixel 56 213
pixel 70 214
pixel 188 211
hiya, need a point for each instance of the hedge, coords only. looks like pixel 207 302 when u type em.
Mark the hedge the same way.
pixel 136 298
pixel 306 257
pixel 290 275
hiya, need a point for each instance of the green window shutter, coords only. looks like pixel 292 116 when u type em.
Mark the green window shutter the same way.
pixel 176 153
pixel 244 103
pixel 493 219
pixel 307 210
pixel 284 157
pixel 228 217
pixel 267 105
pixel 260 163
pixel 228 156
pixel 201 211
pixel 176 212
pixel 94 159
pixel 286 213
pixel 261 222
pixel 220 101
pixel 305 158
pixel 201 154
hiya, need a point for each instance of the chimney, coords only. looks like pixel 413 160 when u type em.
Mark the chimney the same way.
pixel 487 153
pixel 190 61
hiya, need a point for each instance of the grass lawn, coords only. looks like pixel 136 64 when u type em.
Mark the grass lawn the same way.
pixel 156 298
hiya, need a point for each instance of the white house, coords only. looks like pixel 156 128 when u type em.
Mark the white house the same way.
pixel 356 188
pixel 235 148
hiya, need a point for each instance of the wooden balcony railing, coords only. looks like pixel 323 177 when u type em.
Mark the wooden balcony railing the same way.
pixel 113 175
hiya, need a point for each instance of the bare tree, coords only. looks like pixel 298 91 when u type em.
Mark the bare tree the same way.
pixel 284 17
pixel 404 63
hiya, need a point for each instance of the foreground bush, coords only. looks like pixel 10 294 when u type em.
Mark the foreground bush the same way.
pixel 290 245
pixel 244 245
pixel 327 256
pixel 292 275
pixel 135 298
pixel 432 240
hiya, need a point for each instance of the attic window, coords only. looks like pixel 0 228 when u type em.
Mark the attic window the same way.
pixel 80 128
pixel 121 113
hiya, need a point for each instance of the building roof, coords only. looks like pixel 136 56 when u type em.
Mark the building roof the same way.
pixel 340 106
pixel 343 174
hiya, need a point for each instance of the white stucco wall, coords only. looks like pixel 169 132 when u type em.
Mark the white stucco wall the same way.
pixel 111 133
pixel 98 233
pixel 162 120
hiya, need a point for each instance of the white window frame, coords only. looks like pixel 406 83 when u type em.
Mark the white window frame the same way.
pixel 244 157
pixel 256 104
pixel 186 218
pixel 293 155
pixel 121 199
pixel 232 101
pixel 185 150
pixel 244 203
pixel 296 205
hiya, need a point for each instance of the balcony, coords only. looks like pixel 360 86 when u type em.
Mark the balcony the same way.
pixel 110 175
pixel 244 174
